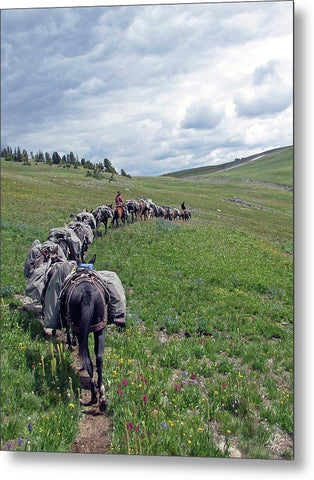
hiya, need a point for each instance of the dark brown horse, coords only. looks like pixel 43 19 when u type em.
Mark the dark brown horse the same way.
pixel 83 308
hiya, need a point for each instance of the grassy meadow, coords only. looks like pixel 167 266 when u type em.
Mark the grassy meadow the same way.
pixel 205 365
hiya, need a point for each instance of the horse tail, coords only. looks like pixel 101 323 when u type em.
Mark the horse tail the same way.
pixel 86 317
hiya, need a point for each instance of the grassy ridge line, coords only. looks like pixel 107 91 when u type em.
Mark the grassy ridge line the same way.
pixel 224 167
pixel 209 314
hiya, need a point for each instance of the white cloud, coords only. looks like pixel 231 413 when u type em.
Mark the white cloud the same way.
pixel 152 88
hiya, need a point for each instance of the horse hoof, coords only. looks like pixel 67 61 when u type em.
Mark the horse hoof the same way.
pixel 103 406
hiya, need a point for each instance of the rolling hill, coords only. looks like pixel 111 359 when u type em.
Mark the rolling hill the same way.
pixel 277 159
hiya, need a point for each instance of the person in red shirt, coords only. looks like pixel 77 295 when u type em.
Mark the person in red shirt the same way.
pixel 119 199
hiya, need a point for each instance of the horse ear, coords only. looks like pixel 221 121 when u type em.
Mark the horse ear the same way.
pixel 93 259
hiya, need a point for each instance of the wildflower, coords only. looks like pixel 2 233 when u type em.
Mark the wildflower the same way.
pixel 30 427
pixel 229 431
pixel 223 384
pixel 125 382
pixel 177 388
pixel 71 405
pixel 137 429
pixel 215 392
pixel 129 425
pixel 145 399
pixel 119 392
pixel 9 445
pixel 21 441
pixel 164 425
pixel 200 430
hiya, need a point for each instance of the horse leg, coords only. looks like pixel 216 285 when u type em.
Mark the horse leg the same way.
pixel 99 338
pixel 90 370
pixel 69 341
pixel 87 365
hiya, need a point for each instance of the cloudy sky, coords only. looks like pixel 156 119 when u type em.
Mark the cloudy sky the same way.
pixel 154 88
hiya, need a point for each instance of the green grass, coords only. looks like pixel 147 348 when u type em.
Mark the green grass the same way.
pixel 206 360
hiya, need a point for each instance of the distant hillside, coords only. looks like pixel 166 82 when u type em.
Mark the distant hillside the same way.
pixel 210 169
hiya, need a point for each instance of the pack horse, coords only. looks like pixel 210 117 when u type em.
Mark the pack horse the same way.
pixel 83 307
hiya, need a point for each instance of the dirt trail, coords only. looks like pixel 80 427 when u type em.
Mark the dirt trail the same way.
pixel 94 426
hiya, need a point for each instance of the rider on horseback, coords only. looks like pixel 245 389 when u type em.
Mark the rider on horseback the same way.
pixel 119 199
pixel 119 203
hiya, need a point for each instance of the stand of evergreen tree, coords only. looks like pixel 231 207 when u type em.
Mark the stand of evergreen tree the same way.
pixel 18 155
